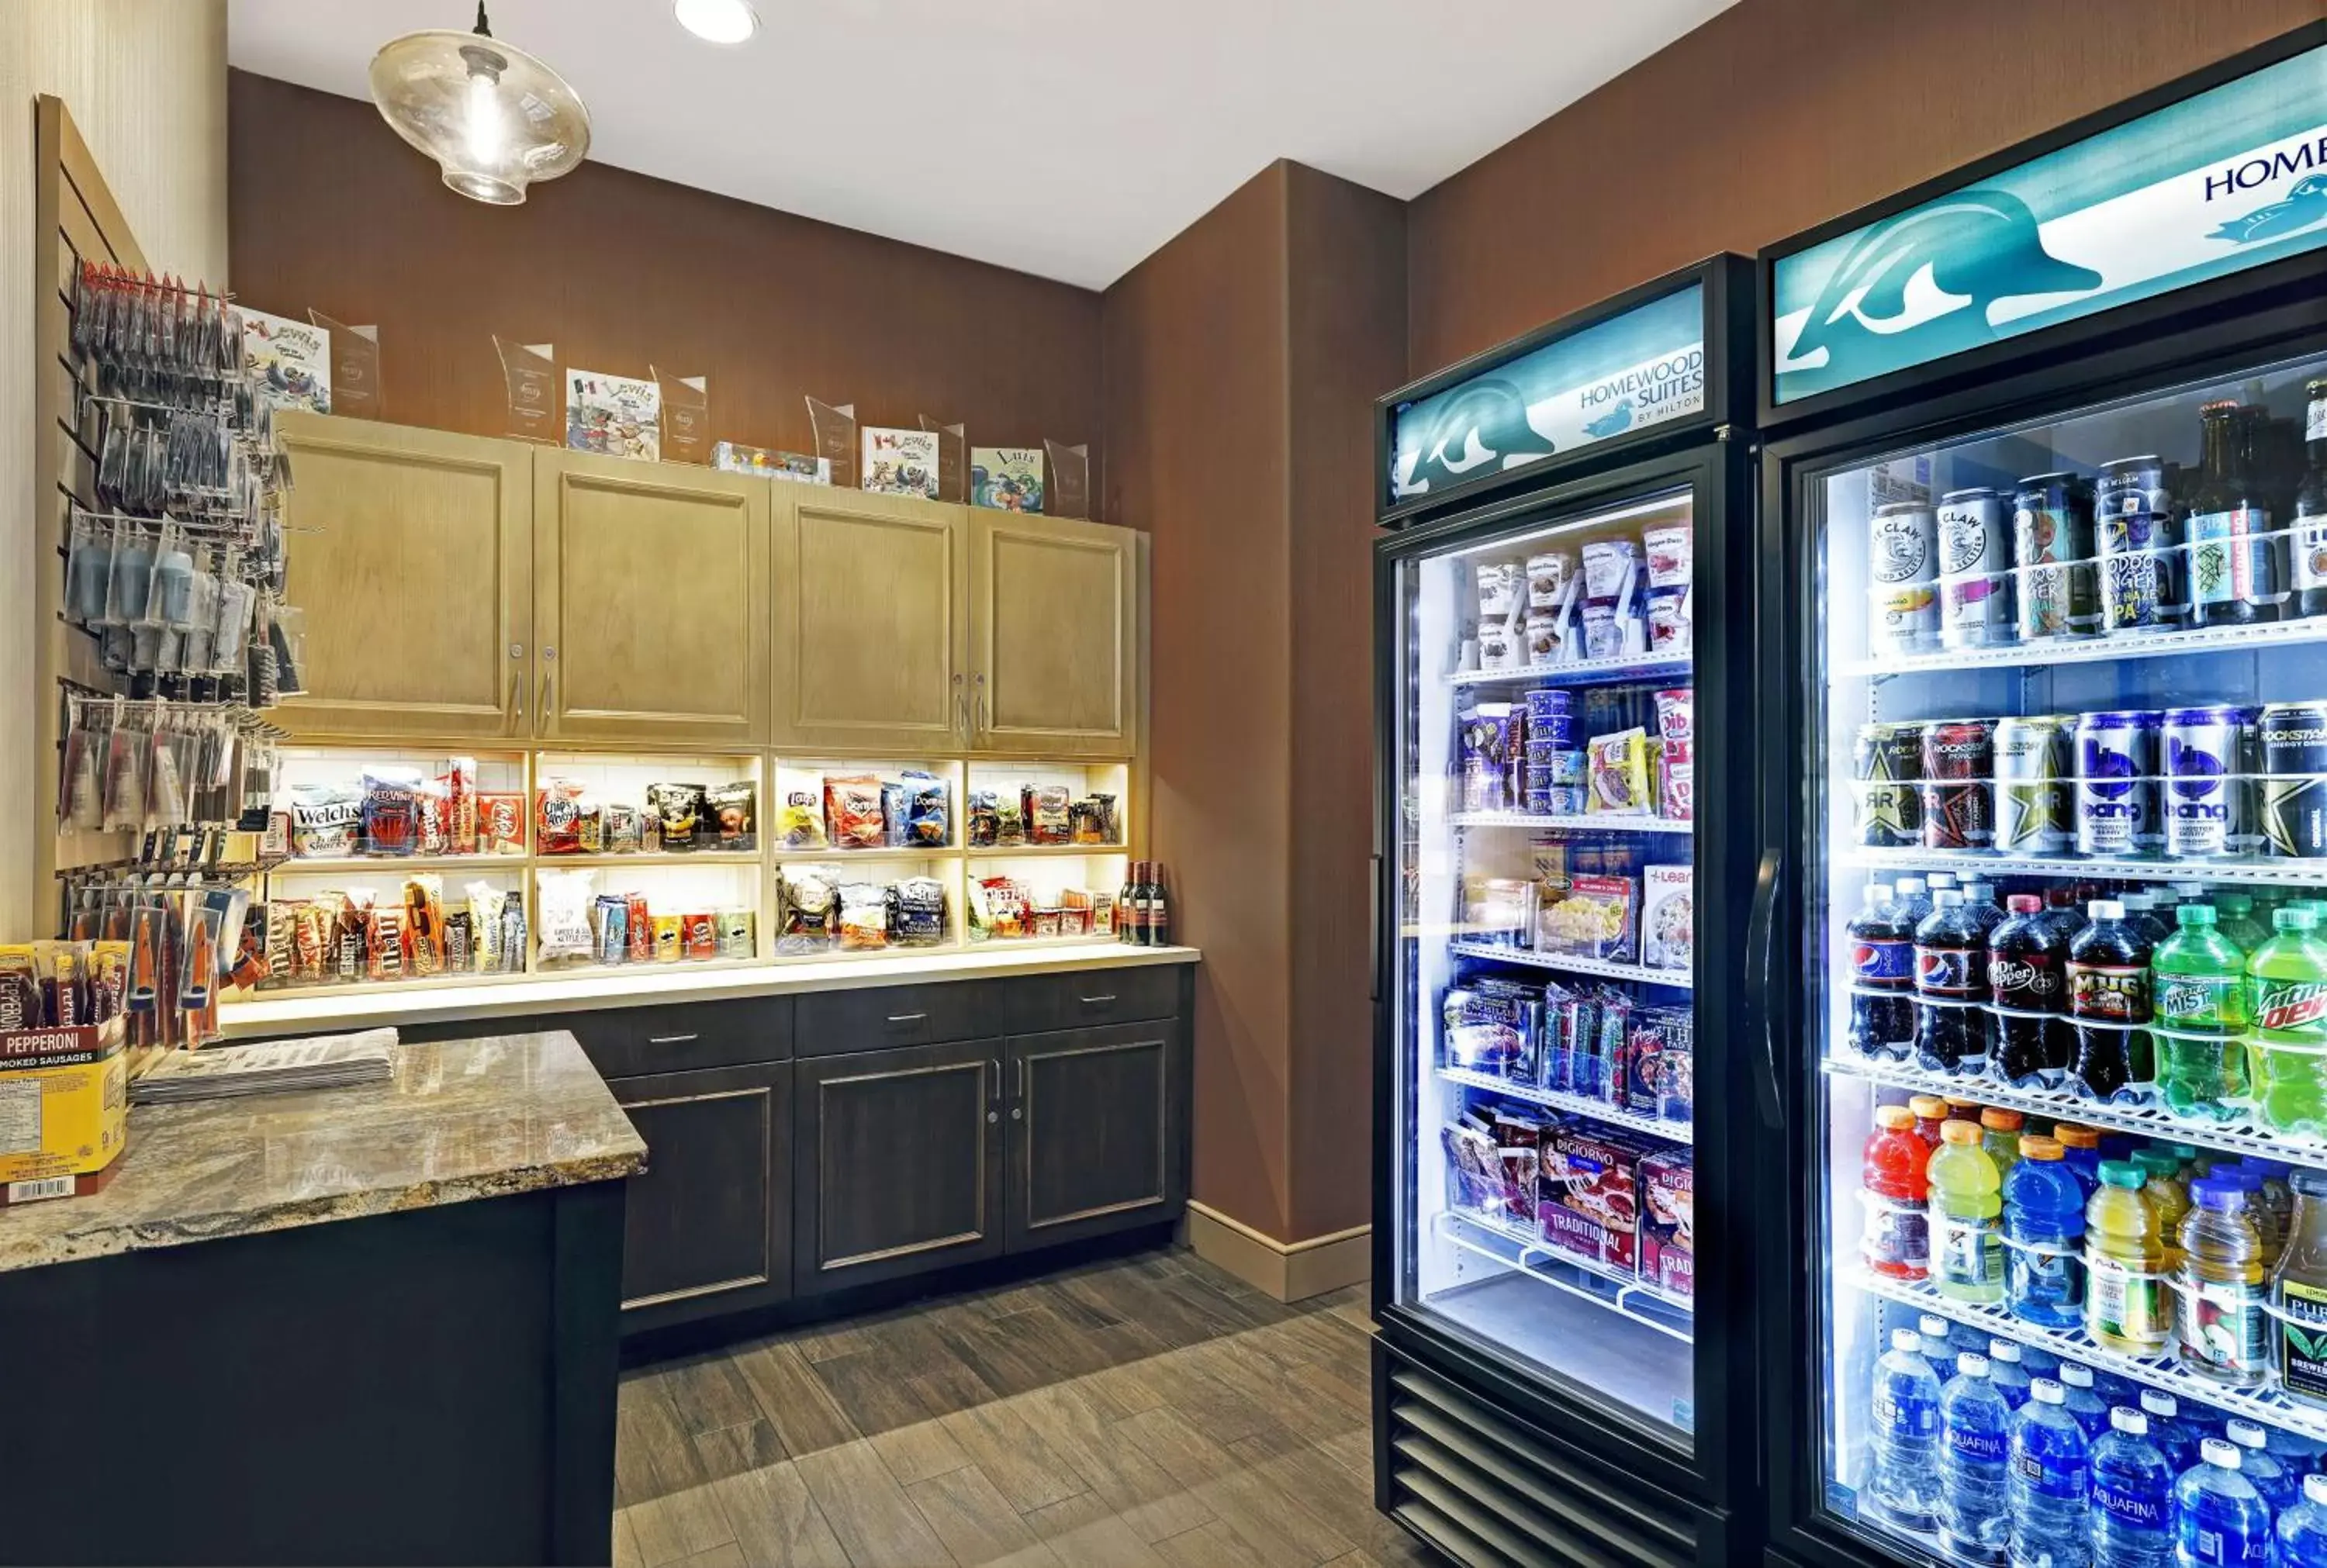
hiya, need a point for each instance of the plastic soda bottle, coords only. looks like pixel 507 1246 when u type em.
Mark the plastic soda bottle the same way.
pixel 2081 1149
pixel 2004 1369
pixel 2299 1538
pixel 2198 988
pixel 1967 1207
pixel 2091 1411
pixel 1883 971
pixel 2286 1004
pixel 2176 1438
pixel 2268 1474
pixel 2109 1007
pixel 2050 1479
pixel 2125 1299
pixel 1950 985
pixel 2141 913
pixel 2027 979
pixel 1905 1483
pixel 1897 1240
pixel 2219 1296
pixel 1999 1135
pixel 2234 916
pixel 1930 1111
pixel 1975 1422
pixel 2131 1522
pixel 2169 1195
pixel 2298 1296
pixel 2044 1238
pixel 2218 1518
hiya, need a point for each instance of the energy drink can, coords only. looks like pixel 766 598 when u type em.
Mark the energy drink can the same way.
pixel 2032 808
pixel 2293 741
pixel 1886 763
pixel 2116 784
pixel 2207 796
pixel 1959 784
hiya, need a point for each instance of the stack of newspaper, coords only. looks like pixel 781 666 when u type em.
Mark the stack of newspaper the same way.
pixel 325 1061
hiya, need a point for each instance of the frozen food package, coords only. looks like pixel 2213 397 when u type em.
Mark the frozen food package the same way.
pixel 1668 917
pixel 1667 1181
pixel 1502 645
pixel 734 813
pixel 1591 1200
pixel 1617 775
pixel 1500 589
pixel 1547 574
pixel 1669 624
pixel 1607 565
pixel 563 900
pixel 1604 629
pixel 1667 547
pixel 1518 1141
pixel 1492 743
pixel 852 809
pixel 863 917
pixel 1474 1168
pixel 1492 1025
pixel 1499 910
pixel 800 823
pixel 1592 918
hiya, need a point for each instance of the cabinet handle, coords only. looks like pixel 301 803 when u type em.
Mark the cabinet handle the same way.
pixel 548 685
pixel 672 1039
pixel 517 693
pixel 907 1017
pixel 1098 1000
pixel 997 1086
pixel 1022 1081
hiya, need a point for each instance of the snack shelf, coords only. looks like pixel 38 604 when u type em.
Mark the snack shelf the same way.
pixel 1012 851
pixel 2245 1136
pixel 651 857
pixel 2263 872
pixel 340 864
pixel 1580 1104
pixel 1593 822
pixel 1633 1297
pixel 840 856
pixel 2093 649
pixel 1583 672
pixel 1606 969
pixel 2164 1373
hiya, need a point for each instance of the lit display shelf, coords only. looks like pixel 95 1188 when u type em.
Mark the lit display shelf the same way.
pixel 1567 964
pixel 1583 1105
pixel 1591 822
pixel 2092 649
pixel 1583 672
pixel 2273 872
pixel 1525 1252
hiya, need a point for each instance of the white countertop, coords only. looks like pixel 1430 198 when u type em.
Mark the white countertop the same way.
pixel 324 1009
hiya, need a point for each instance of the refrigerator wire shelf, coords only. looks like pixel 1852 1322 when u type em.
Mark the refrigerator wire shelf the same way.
pixel 1630 666
pixel 2092 649
pixel 2244 1135
pixel 1594 822
pixel 1569 964
pixel 1632 1297
pixel 1583 1105
pixel 2270 873
pixel 2165 1373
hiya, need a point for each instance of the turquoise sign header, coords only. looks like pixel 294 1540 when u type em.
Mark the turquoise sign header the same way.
pixel 1640 369
pixel 2227 180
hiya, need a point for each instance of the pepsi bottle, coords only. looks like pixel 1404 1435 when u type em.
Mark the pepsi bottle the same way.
pixel 1882 967
pixel 1950 984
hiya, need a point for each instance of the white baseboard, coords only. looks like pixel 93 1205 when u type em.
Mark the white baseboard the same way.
pixel 1289 1270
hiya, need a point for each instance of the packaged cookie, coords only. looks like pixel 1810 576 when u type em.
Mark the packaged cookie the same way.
pixel 734 813
pixel 1617 773
pixel 324 820
pixel 852 811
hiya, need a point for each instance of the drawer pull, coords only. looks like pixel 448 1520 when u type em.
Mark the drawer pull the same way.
pixel 672 1039
pixel 907 1017
pixel 1098 1001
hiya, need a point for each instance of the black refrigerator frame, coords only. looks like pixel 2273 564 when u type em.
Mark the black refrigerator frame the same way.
pixel 1475 1457
pixel 2206 331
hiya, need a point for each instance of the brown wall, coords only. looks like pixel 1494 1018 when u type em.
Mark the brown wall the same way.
pixel 1775 115
pixel 329 210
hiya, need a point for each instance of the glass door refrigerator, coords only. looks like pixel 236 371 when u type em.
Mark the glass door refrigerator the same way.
pixel 2037 962
pixel 1564 861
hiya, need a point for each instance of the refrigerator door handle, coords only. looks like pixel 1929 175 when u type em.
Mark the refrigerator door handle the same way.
pixel 1373 925
pixel 1761 946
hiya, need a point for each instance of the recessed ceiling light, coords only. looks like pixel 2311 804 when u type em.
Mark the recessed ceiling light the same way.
pixel 717 21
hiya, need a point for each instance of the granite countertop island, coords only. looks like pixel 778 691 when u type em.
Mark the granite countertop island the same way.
pixel 491 1117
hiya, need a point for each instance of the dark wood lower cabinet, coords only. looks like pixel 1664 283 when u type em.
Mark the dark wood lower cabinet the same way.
pixel 708 1225
pixel 1096 1128
pixel 897 1158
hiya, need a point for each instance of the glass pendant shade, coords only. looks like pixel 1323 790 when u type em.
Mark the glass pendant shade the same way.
pixel 493 117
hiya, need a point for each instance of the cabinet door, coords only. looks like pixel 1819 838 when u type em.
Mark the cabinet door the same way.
pixel 898 1163
pixel 1054 616
pixel 411 564
pixel 708 1224
pixel 871 635
pixel 1098 1131
pixel 651 598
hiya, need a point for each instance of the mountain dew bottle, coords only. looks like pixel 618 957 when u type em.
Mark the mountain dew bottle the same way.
pixel 2197 991
pixel 2286 1004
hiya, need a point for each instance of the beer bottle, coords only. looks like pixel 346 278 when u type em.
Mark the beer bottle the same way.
pixel 2225 552
pixel 2308 537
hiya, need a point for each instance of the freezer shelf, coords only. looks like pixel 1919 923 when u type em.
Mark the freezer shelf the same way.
pixel 1579 1105
pixel 1569 964
pixel 1583 672
pixel 1607 822
pixel 1629 1296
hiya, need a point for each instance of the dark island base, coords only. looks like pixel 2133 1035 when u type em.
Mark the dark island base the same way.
pixel 434 1386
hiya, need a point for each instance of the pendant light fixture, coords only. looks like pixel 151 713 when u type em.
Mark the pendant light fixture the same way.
pixel 493 117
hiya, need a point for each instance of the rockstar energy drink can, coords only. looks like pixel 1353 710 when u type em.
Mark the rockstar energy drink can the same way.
pixel 1886 766
pixel 2034 813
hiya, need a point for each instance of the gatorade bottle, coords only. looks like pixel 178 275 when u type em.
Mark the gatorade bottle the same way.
pixel 2044 1238
pixel 2219 1296
pixel 2234 917
pixel 2050 1470
pixel 1999 1135
pixel 1975 1422
pixel 2197 988
pixel 1897 1240
pixel 2131 1521
pixel 2176 1438
pixel 1967 1206
pixel 1930 1111
pixel 2299 1538
pixel 2007 1371
pixel 2090 1410
pixel 2298 1296
pixel 2217 1514
pixel 2265 1471
pixel 2169 1196
pixel 2080 1150
pixel 1904 1483
pixel 1950 984
pixel 1882 975
pixel 2027 979
pixel 2109 1007
pixel 2125 1305
pixel 2277 1203
pixel 2286 1004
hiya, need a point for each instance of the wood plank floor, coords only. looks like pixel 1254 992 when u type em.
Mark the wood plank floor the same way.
pixel 1149 1412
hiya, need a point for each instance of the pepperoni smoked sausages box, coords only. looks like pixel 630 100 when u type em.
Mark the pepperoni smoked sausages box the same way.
pixel 64 1100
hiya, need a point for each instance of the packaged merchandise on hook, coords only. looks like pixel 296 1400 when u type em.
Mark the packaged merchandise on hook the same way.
pixel 155 947
pixel 172 772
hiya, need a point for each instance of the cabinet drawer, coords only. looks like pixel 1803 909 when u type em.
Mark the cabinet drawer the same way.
pixel 833 1023
pixel 1088 997
pixel 628 1041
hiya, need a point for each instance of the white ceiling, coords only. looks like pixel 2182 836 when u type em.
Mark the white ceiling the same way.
pixel 1067 138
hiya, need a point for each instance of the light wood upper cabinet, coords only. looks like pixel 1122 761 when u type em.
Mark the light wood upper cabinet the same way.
pixel 871 643
pixel 650 603
pixel 411 562
pixel 1054 617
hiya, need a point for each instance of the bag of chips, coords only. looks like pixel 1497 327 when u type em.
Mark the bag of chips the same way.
pixel 863 917
pixel 1047 818
pixel 324 820
pixel 564 898
pixel 699 934
pixel 920 915
pixel 623 828
pixel 928 816
pixel 800 825
pixel 560 806
pixel 734 815
pixel 852 810
pixel 678 811
pixel 738 933
pixel 985 819
pixel 810 903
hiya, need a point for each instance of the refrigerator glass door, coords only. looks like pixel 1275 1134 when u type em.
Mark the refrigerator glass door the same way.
pixel 2068 763
pixel 1542 1013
